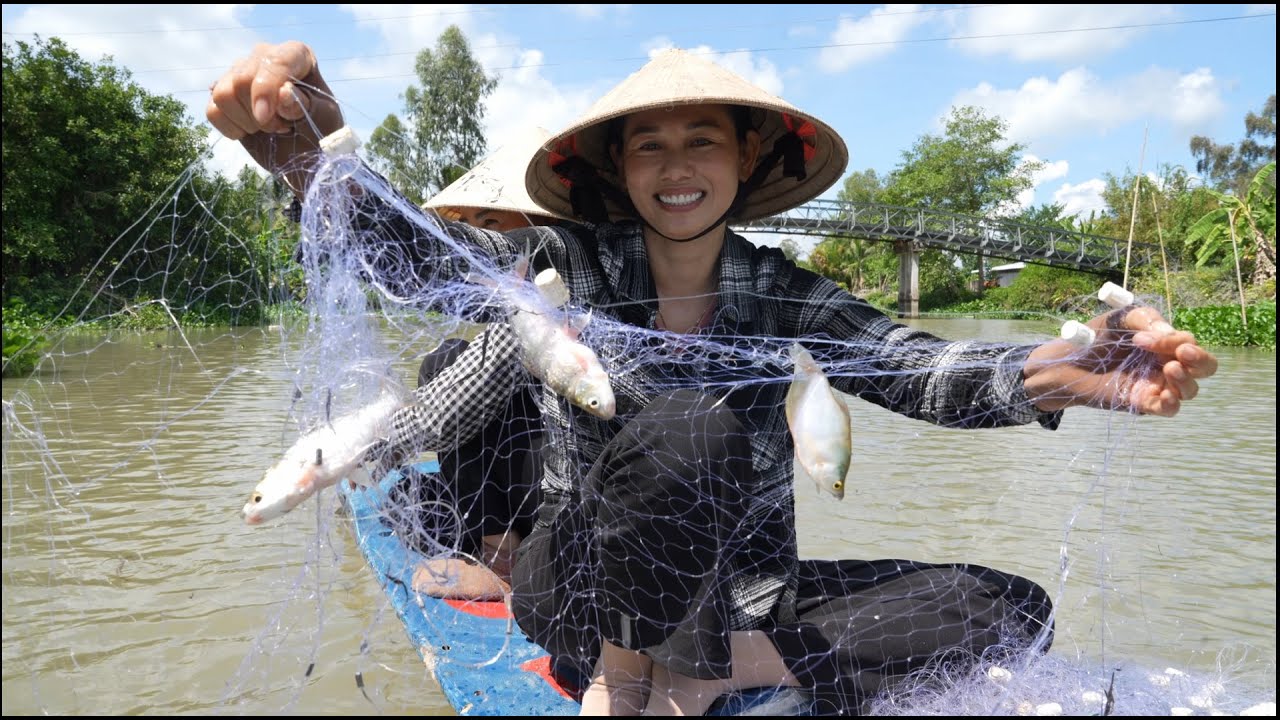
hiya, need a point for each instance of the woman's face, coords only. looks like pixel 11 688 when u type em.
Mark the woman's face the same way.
pixel 681 166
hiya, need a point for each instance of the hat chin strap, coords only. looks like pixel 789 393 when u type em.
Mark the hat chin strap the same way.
pixel 706 230
pixel 587 189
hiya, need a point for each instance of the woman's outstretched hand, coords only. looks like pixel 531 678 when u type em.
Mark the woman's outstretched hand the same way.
pixel 1138 362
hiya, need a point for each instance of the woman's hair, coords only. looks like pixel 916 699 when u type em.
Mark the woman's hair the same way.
pixel 742 123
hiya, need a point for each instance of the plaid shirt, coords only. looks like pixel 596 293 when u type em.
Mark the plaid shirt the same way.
pixel 763 301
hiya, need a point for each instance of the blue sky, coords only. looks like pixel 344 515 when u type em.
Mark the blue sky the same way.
pixel 1078 84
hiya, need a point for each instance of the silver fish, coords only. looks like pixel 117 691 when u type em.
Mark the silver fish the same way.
pixel 819 423
pixel 550 349
pixel 321 458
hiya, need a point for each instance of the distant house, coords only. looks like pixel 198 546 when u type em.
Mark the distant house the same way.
pixel 1005 274
pixel 998 276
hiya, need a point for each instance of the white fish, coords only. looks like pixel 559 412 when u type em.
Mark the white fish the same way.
pixel 550 349
pixel 321 458
pixel 819 423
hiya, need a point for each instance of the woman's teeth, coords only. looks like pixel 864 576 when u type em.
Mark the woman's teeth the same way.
pixel 681 199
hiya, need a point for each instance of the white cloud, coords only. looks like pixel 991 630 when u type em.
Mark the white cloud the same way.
pixel 869 37
pixel 757 70
pixel 404 31
pixel 524 96
pixel 1079 102
pixel 1048 172
pixel 1081 199
pixel 593 12
pixel 1259 9
pixel 1026 32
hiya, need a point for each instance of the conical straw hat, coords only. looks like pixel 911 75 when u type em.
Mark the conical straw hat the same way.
pixel 497 183
pixel 676 77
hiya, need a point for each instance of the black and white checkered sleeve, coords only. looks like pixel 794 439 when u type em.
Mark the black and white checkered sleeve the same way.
pixel 962 384
pixel 461 400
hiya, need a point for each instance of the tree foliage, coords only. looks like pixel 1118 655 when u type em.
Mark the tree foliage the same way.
pixel 1168 204
pixel 858 263
pixel 86 152
pixel 391 153
pixel 1047 215
pixel 862 187
pixel 1245 225
pixel 970 169
pixel 106 189
pixel 442 136
pixel 790 248
pixel 1231 167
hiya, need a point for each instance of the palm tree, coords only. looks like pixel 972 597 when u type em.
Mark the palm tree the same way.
pixel 1248 222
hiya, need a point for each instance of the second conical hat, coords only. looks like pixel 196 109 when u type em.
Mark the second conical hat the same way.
pixel 497 183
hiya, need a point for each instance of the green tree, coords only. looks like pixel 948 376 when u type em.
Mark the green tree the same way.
pixel 86 153
pixel 837 258
pixel 790 248
pixel 1047 215
pixel 862 187
pixel 444 137
pixel 857 262
pixel 1167 207
pixel 391 153
pixel 971 169
pixel 1246 225
pixel 1233 167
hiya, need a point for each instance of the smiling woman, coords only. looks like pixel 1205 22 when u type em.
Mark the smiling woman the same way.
pixel 679 536
pixel 663 567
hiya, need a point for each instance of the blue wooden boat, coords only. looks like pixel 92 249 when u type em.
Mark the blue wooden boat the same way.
pixel 484 663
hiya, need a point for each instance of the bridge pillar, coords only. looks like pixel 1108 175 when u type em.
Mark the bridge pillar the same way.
pixel 908 279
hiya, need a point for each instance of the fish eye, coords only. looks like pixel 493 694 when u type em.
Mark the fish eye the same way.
pixel 593 402
pixel 255 498
pixel 837 485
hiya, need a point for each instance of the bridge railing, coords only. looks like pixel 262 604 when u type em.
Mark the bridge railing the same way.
pixel 1000 237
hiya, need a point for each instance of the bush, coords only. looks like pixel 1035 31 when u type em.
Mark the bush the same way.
pixel 23 342
pixel 1049 289
pixel 1221 325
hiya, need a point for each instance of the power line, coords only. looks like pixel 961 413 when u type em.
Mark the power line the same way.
pixel 486 9
pixel 1030 33
pixel 564 41
pixel 793 48
pixel 347 21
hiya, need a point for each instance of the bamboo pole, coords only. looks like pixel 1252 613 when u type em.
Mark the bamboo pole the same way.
pixel 1164 260
pixel 1133 216
pixel 1235 250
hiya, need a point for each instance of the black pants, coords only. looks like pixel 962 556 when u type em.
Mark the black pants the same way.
pixel 635 558
pixel 866 625
pixel 491 481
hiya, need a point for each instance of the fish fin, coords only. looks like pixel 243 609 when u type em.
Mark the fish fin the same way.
pixel 307 483
pixel 360 477
pixel 583 355
pixel 576 323
pixel 521 266
pixel 804 362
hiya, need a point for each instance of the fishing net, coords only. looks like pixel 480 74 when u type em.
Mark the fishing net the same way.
pixel 965 569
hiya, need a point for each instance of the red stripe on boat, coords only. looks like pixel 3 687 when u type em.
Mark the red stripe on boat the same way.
pixel 542 667
pixel 481 609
